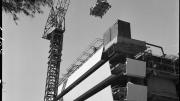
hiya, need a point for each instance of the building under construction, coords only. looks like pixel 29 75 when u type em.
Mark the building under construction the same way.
pixel 120 68
pixel 114 68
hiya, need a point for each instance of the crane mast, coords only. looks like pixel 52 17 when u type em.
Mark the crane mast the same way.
pixel 53 31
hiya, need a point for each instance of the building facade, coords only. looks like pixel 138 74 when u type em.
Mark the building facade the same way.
pixel 122 69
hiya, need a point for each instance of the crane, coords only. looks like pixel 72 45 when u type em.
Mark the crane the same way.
pixel 53 31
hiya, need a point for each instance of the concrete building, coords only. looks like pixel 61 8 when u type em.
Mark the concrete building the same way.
pixel 121 69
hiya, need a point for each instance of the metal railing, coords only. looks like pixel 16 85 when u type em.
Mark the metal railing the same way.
pixel 92 49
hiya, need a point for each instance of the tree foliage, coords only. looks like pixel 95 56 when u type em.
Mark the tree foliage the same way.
pixel 27 7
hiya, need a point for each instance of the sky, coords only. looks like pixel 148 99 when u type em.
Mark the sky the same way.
pixel 25 53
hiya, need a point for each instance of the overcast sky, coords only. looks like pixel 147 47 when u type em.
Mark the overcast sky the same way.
pixel 26 53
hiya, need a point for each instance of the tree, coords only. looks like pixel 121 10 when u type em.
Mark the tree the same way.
pixel 27 7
